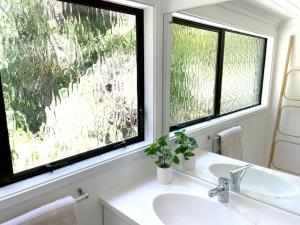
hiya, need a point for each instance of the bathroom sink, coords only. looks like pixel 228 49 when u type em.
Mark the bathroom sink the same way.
pixel 258 181
pixel 179 209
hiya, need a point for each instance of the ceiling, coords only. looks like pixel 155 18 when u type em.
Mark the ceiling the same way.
pixel 269 11
pixel 283 9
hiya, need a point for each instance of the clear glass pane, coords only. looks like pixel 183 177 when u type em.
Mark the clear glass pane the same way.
pixel 193 72
pixel 242 72
pixel 69 79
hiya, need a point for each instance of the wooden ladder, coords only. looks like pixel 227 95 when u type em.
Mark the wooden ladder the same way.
pixel 280 107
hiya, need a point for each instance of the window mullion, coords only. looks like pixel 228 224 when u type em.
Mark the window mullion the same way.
pixel 263 72
pixel 6 170
pixel 140 72
pixel 219 72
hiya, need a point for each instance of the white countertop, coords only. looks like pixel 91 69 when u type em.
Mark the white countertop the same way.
pixel 133 202
pixel 205 159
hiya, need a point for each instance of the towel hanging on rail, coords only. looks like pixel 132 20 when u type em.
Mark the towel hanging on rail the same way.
pixel 59 212
pixel 231 142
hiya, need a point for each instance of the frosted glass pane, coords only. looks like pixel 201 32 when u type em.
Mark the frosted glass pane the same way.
pixel 242 72
pixel 193 71
pixel 69 79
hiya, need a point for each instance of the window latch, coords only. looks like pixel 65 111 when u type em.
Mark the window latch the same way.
pixel 52 166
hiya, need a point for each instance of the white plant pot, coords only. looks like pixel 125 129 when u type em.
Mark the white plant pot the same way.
pixel 164 175
pixel 189 165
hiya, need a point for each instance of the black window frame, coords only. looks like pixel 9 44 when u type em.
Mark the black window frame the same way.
pixel 219 71
pixel 7 175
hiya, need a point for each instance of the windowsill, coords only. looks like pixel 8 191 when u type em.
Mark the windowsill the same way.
pixel 223 120
pixel 30 184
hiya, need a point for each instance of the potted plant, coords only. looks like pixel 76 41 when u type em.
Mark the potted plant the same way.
pixel 186 146
pixel 164 158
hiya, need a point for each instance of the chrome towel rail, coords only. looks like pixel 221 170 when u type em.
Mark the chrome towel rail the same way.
pixel 82 196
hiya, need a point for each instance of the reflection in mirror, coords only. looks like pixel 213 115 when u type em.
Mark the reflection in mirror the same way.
pixel 193 69
pixel 225 93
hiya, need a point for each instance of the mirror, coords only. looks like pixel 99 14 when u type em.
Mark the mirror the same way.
pixel 224 92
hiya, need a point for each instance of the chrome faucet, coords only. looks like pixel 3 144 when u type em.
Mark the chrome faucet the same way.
pixel 222 190
pixel 236 176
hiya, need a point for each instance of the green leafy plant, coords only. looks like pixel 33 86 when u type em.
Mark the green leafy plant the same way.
pixel 186 145
pixel 161 153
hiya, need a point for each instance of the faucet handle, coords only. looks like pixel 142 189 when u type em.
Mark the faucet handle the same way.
pixel 236 175
pixel 240 170
pixel 222 191
pixel 224 182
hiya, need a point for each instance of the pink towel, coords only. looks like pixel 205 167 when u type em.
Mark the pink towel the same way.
pixel 59 212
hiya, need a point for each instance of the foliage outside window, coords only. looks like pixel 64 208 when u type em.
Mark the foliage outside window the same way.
pixel 214 72
pixel 72 79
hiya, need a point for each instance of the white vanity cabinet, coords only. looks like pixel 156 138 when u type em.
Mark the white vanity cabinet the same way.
pixel 111 218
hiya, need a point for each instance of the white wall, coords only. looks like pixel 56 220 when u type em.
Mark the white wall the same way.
pixel 253 140
pixel 99 180
pixel 285 29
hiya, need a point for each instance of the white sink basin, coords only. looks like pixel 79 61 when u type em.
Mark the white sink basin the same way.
pixel 180 209
pixel 258 181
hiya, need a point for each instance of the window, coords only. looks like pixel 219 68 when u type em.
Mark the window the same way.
pixel 72 83
pixel 193 71
pixel 243 65
pixel 214 72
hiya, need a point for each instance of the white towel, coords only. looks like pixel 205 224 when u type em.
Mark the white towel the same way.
pixel 59 212
pixel 231 142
